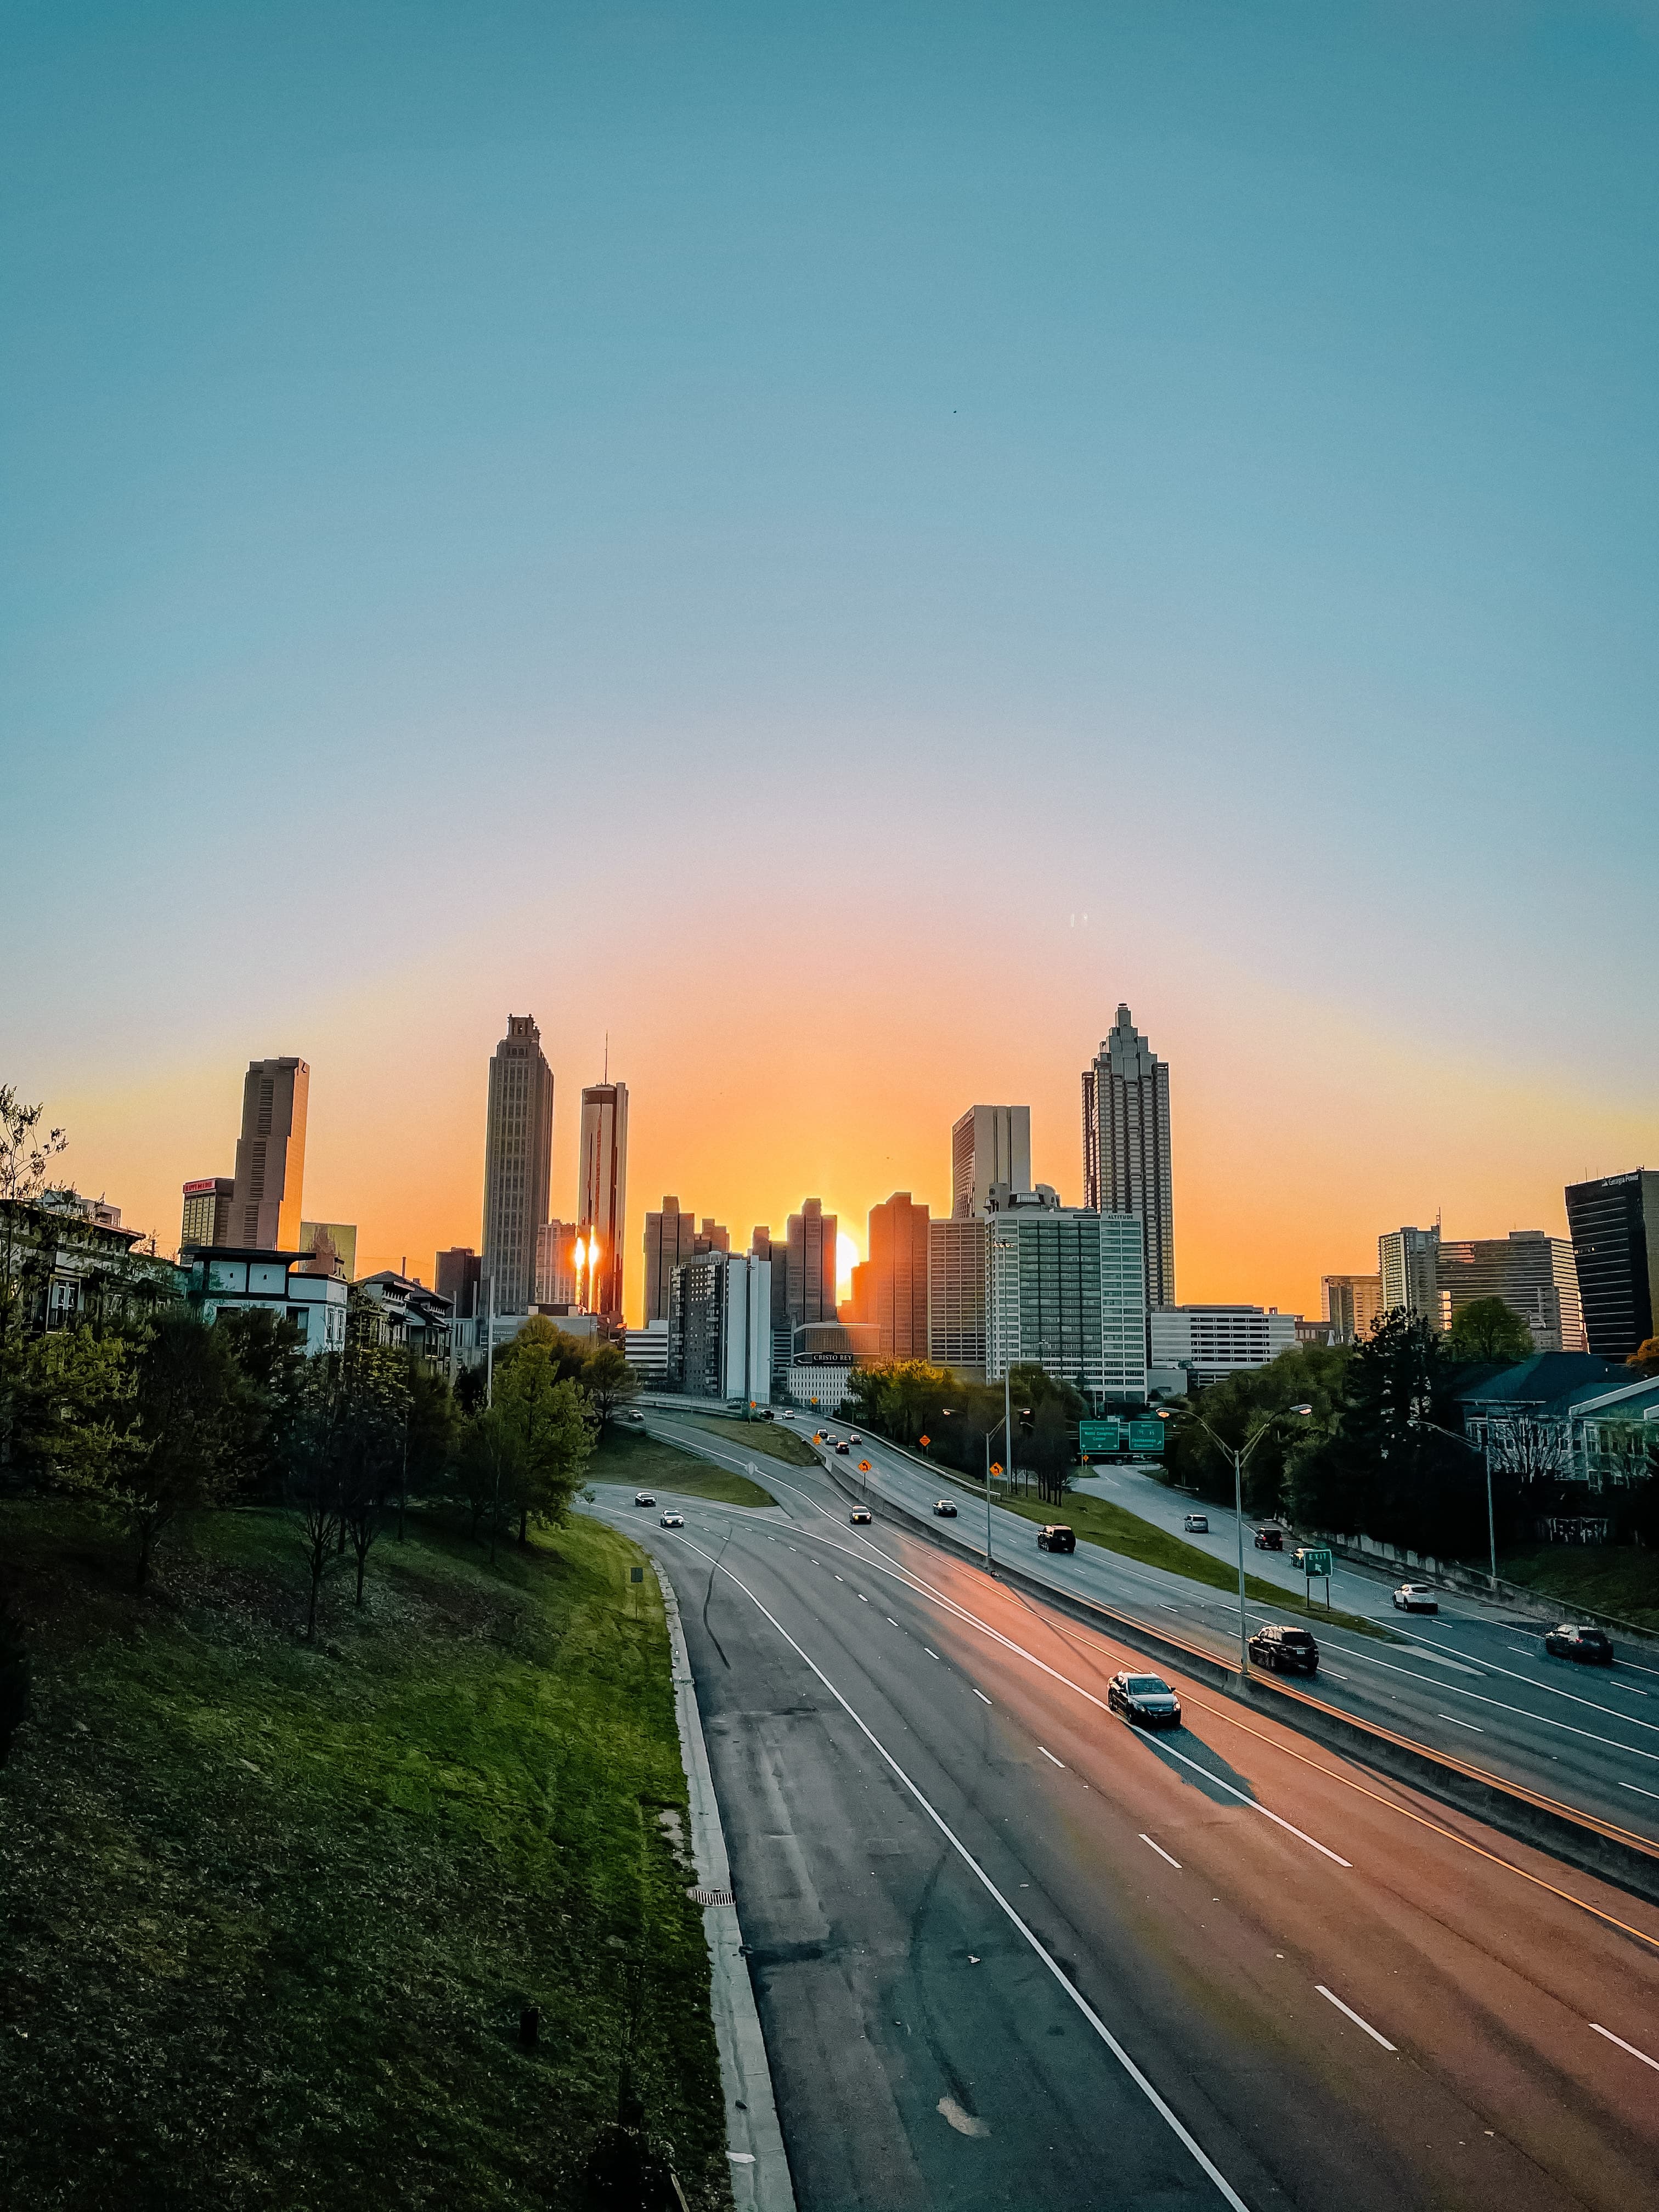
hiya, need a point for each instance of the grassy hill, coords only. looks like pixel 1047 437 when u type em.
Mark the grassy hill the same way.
pixel 269 1912
pixel 627 1455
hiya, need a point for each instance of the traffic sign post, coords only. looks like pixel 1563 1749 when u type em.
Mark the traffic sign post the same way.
pixel 1316 1560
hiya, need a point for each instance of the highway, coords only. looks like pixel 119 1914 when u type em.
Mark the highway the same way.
pixel 1009 1952
pixel 1472 1681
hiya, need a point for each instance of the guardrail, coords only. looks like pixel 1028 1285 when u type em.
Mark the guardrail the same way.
pixel 1581 1840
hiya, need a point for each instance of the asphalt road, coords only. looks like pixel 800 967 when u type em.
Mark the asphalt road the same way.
pixel 1009 1952
pixel 1472 1680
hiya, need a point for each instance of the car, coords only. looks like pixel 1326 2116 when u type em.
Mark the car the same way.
pixel 842 1448
pixel 1283 1649
pixel 1196 1524
pixel 637 1418
pixel 1270 1540
pixel 672 1520
pixel 853 1439
pixel 1055 1536
pixel 1146 1700
pixel 943 1509
pixel 860 1516
pixel 645 1497
pixel 1592 1646
pixel 1415 1597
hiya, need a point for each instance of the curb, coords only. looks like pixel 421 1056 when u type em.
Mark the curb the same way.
pixel 759 2163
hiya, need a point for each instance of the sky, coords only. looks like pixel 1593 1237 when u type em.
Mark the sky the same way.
pixel 830 546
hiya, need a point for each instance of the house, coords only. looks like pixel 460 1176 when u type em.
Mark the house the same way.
pixel 70 1269
pixel 404 1311
pixel 252 1279
pixel 1533 1417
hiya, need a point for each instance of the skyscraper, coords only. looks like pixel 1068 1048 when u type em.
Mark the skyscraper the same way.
pixel 1533 1274
pixel 893 1293
pixel 270 1155
pixel 811 1239
pixel 1352 1304
pixel 670 1241
pixel 1409 1261
pixel 602 1190
pixel 455 1273
pixel 1065 1291
pixel 1126 1146
pixel 955 1296
pixel 518 1165
pixel 207 1218
pixel 1614 1221
pixel 555 1264
pixel 988 1145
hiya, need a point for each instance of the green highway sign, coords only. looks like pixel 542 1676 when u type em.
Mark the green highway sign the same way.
pixel 1098 1436
pixel 1145 1436
pixel 1316 1561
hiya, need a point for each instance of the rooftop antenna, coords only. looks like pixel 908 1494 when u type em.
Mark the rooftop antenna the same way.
pixel 607 1055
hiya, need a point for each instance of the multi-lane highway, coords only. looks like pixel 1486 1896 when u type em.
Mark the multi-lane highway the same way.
pixel 1472 1680
pixel 1008 1951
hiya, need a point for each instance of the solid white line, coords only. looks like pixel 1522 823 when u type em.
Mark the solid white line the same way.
pixel 1456 1722
pixel 1159 1849
pixel 1227 2192
pixel 1052 1760
pixel 980 1694
pixel 1623 2046
pixel 1354 2016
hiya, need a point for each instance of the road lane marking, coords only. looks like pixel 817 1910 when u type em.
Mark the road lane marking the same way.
pixel 932 1654
pixel 1183 2134
pixel 980 1694
pixel 888 1618
pixel 1654 1793
pixel 1541 1720
pixel 1456 1722
pixel 1598 2028
pixel 862 1599
pixel 1052 1760
pixel 1629 1689
pixel 1159 1849
pixel 1353 2016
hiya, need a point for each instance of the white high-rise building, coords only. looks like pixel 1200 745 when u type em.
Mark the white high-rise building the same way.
pixel 1212 1341
pixel 955 1296
pixel 1126 1146
pixel 602 1192
pixel 989 1144
pixel 719 1328
pixel 1065 1291
pixel 1409 1261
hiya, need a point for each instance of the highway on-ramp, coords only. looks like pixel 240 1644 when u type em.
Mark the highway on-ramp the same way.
pixel 1009 1952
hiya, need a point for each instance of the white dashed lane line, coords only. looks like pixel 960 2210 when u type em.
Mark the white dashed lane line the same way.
pixel 1159 1849
pixel 980 1695
pixel 1598 2028
pixel 1353 2016
pixel 888 1618
pixel 1456 1722
pixel 1050 1756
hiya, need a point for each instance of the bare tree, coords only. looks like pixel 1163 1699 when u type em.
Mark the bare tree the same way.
pixel 1530 1448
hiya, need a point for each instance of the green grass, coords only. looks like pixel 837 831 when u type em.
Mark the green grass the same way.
pixel 770 1439
pixel 1614 1578
pixel 629 1456
pixel 1098 1521
pixel 268 1912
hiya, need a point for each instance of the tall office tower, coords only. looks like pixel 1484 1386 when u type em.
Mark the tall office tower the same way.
pixel 669 1240
pixel 1350 1304
pixel 896 1287
pixel 1065 1291
pixel 555 1264
pixel 602 1190
pixel 270 1155
pixel 955 1296
pixel 718 1334
pixel 455 1277
pixel 811 1264
pixel 208 1215
pixel 518 1165
pixel 764 1246
pixel 712 1237
pixel 988 1145
pixel 1533 1274
pixel 1407 1259
pixel 1615 1222
pixel 1125 1146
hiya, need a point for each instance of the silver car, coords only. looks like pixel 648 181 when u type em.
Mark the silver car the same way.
pixel 672 1520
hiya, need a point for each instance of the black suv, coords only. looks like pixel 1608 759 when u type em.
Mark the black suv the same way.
pixel 1589 1644
pixel 1056 1537
pixel 1286 1650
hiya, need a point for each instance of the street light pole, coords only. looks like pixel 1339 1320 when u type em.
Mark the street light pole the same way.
pixel 1485 1450
pixel 1239 1457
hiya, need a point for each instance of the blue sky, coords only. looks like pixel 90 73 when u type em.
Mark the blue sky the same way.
pixel 532 499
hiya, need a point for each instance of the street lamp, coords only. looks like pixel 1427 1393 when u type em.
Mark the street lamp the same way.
pixel 1421 1421
pixel 1239 1457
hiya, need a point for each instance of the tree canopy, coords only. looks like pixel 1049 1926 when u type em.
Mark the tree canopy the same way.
pixel 1489 1328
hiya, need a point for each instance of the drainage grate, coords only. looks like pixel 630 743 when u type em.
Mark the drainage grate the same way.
pixel 711 1897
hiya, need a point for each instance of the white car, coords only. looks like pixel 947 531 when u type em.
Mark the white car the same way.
pixel 1196 1524
pixel 672 1520
pixel 1415 1597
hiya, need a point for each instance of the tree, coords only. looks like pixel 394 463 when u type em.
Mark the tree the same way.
pixel 71 1411
pixel 610 1383
pixel 1239 1409
pixel 373 1433
pixel 26 1156
pixel 545 1435
pixel 271 1366
pixel 1646 1358
pixel 186 1381
pixel 312 1487
pixel 429 1435
pixel 1490 1329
